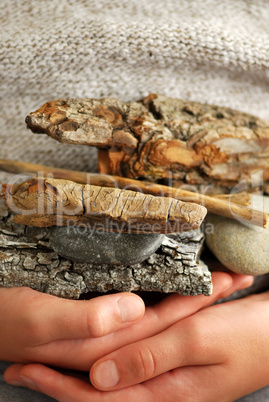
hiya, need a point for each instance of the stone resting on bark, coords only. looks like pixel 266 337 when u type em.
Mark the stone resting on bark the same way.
pixel 32 256
pixel 28 259
pixel 161 138
pixel 158 139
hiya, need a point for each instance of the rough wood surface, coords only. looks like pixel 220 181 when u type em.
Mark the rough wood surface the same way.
pixel 233 205
pixel 26 259
pixel 50 202
pixel 243 198
pixel 163 138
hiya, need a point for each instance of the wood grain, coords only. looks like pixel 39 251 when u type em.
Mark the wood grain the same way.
pixel 215 205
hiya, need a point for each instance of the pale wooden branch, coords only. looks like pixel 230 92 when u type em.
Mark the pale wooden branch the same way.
pixel 242 198
pixel 214 205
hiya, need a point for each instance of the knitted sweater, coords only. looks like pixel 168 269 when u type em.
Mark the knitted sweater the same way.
pixel 204 50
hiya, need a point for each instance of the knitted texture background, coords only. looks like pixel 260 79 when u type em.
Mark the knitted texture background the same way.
pixel 205 50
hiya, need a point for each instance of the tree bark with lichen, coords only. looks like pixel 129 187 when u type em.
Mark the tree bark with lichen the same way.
pixel 27 259
pixel 162 138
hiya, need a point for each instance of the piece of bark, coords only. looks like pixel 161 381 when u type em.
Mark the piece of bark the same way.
pixel 230 205
pixel 163 138
pixel 98 122
pixel 26 259
pixel 50 202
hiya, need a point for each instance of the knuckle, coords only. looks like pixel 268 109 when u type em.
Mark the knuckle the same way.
pixel 33 325
pixel 29 315
pixel 94 324
pixel 197 336
pixel 144 363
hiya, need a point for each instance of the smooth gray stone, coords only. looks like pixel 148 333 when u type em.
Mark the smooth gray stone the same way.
pixel 240 246
pixel 98 247
pixel 27 259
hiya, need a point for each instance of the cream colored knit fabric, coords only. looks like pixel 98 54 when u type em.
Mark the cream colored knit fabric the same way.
pixel 214 51
pixel 206 50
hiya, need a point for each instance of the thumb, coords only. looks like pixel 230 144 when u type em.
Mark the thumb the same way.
pixel 51 318
pixel 96 317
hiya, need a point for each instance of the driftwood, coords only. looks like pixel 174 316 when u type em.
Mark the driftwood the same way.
pixel 26 259
pixel 242 198
pixel 50 202
pixel 230 205
pixel 163 138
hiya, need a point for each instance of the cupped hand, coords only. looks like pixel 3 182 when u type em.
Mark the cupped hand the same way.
pixel 40 327
pixel 219 354
pixel 74 334
pixel 37 327
pixel 158 323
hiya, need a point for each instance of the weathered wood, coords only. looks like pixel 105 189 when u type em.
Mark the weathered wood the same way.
pixel 225 205
pixel 26 259
pixel 59 202
pixel 163 138
pixel 241 198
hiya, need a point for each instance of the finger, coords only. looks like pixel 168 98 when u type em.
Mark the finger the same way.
pixel 81 354
pixel 191 383
pixel 176 307
pixel 207 383
pixel 53 318
pixel 65 388
pixel 239 282
pixel 195 384
pixel 187 342
pixel 213 336
pixel 48 381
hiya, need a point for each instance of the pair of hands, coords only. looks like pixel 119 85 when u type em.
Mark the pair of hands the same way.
pixel 179 349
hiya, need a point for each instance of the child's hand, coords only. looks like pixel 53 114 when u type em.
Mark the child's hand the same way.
pixel 44 328
pixel 218 354
pixel 169 349
pixel 37 327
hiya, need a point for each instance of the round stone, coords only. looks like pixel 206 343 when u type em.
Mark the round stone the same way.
pixel 240 246
pixel 98 247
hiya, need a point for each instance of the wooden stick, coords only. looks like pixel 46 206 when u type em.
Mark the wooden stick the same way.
pixel 214 205
pixel 242 198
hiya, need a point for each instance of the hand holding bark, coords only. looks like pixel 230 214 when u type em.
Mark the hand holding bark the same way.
pixel 220 353
pixel 40 327
pixel 156 323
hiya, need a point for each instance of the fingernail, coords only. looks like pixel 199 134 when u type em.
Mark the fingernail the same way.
pixel 131 308
pixel 26 381
pixel 106 374
pixel 16 383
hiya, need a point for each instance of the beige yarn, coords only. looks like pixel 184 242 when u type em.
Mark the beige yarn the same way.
pixel 205 50
pixel 214 51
